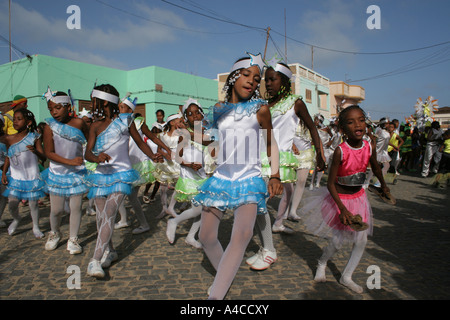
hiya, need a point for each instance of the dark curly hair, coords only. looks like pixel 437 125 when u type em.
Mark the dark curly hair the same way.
pixel 29 116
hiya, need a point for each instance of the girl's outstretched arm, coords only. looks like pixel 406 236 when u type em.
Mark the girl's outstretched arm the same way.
pixel 141 144
pixel 156 140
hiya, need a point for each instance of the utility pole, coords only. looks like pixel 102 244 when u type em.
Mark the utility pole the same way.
pixel 267 40
pixel 285 38
pixel 312 57
pixel 10 52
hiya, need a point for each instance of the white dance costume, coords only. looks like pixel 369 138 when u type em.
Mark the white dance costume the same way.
pixel 284 122
pixel 116 175
pixel 190 180
pixel 168 172
pixel 61 179
pixel 139 160
pixel 382 145
pixel 237 179
pixel 302 140
pixel 321 214
pixel 24 177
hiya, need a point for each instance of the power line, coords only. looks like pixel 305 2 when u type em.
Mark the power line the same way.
pixel 158 22
pixel 364 53
pixel 14 46
pixel 229 21
pixel 437 57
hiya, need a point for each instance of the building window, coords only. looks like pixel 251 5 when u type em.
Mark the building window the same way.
pixel 308 96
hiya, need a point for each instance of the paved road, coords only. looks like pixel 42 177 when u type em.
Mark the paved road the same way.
pixel 410 245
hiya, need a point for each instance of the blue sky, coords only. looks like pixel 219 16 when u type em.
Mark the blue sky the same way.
pixel 205 38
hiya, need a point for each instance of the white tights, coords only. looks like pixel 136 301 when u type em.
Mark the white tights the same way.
pixel 191 213
pixel 302 176
pixel 106 214
pixel 283 206
pixel 315 179
pixel 57 208
pixel 137 207
pixel 13 206
pixel 226 262
pixel 355 257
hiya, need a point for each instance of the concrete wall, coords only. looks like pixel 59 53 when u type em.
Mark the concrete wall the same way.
pixel 156 88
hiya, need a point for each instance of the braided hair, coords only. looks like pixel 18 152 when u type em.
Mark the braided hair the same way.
pixel 231 80
pixel 98 109
pixel 286 86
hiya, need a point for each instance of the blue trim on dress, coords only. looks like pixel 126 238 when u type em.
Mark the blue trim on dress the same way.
pixel 112 133
pixel 66 131
pixel 241 109
pixel 21 146
pixel 231 194
pixel 102 185
pixel 65 185
pixel 25 189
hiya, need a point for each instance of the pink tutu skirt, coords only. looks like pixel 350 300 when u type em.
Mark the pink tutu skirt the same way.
pixel 320 215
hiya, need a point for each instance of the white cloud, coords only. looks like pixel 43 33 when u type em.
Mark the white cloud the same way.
pixel 333 27
pixel 33 27
pixel 89 57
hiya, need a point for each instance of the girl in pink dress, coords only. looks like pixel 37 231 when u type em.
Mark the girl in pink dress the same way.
pixel 341 212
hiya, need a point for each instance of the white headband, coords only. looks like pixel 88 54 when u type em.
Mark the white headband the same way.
pixel 61 100
pixel 128 102
pixel 173 117
pixel 188 103
pixel 248 62
pixel 277 66
pixel 50 96
pixel 286 71
pixel 105 96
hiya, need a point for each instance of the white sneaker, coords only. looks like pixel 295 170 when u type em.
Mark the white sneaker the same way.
pixel 95 270
pixel 52 241
pixel 121 224
pixel 73 246
pixel 282 229
pixel 255 257
pixel 264 260
pixel 108 258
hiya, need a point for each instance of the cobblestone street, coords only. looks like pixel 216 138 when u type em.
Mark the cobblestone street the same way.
pixel 410 245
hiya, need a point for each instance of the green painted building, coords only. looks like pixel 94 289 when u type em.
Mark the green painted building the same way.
pixel 155 87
